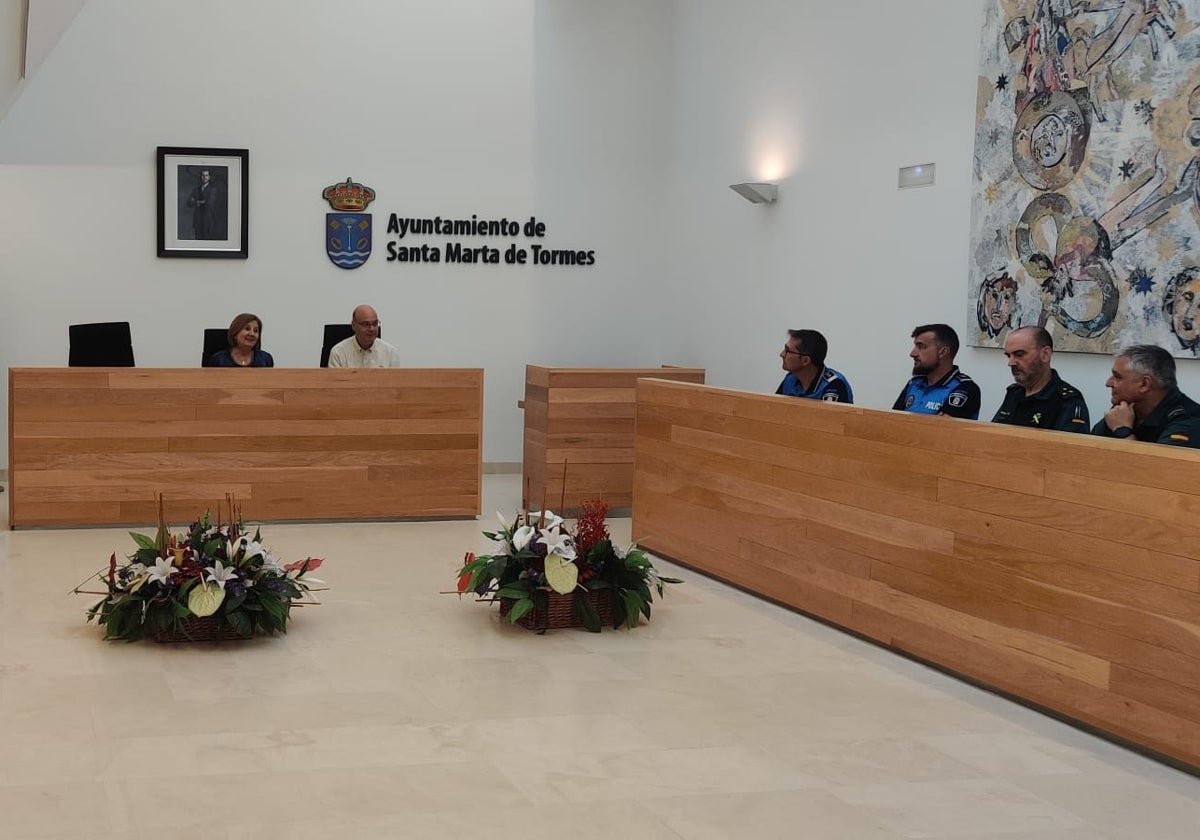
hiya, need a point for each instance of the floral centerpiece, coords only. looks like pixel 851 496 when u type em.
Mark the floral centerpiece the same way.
pixel 212 582
pixel 539 563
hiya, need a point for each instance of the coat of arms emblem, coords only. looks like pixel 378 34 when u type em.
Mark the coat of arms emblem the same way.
pixel 348 230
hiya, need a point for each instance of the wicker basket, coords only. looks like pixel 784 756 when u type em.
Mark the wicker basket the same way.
pixel 561 611
pixel 194 629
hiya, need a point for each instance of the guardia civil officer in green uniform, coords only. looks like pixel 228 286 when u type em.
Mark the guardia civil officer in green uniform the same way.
pixel 1038 397
pixel 1146 401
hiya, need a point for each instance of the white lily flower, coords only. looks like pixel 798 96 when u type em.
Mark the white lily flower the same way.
pixel 522 537
pixel 270 563
pixel 503 521
pixel 558 543
pixel 138 575
pixel 620 552
pixel 254 548
pixel 219 573
pixel 234 547
pixel 162 571
pixel 553 520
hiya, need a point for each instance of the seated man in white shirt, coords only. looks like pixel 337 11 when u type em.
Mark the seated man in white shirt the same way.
pixel 364 349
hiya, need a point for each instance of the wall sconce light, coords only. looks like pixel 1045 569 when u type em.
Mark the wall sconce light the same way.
pixel 921 175
pixel 756 193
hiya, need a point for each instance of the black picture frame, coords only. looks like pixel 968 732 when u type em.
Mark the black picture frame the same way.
pixel 203 202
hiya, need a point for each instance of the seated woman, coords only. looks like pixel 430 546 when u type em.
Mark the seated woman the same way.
pixel 244 334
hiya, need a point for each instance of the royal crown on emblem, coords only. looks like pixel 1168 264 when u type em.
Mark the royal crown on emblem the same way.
pixel 349 197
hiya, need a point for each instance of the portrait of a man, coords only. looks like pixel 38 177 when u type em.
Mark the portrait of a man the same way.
pixel 203 193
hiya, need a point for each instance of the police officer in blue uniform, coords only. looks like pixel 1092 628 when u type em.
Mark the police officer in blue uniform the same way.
pixel 1038 397
pixel 807 376
pixel 938 386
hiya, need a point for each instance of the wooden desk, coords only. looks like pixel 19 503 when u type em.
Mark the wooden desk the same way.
pixel 583 418
pixel 1061 569
pixel 91 446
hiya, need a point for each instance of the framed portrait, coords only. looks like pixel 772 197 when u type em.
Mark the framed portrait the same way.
pixel 203 202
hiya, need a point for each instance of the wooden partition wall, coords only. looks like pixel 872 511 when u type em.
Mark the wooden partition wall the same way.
pixel 92 446
pixel 1059 568
pixel 582 419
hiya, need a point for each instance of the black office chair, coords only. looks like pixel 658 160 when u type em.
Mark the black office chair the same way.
pixel 100 345
pixel 215 340
pixel 333 334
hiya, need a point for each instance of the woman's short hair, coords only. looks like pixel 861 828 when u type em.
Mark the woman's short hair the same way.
pixel 238 323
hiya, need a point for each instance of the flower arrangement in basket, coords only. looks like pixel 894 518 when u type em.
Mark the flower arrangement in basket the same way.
pixel 212 582
pixel 544 577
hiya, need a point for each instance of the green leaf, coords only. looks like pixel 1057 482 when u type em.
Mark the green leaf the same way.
pixel 276 608
pixel 587 612
pixel 241 623
pixel 618 609
pixel 633 603
pixel 515 591
pixel 519 609
pixel 142 541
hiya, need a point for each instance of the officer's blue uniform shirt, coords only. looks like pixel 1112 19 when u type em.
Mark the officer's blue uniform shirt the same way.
pixel 955 394
pixel 829 386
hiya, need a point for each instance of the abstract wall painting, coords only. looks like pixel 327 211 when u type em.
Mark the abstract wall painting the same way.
pixel 1085 215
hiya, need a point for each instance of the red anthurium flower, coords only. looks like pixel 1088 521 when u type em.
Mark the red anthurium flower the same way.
pixel 465 580
pixel 313 563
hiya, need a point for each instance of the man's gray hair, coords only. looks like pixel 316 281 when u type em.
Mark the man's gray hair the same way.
pixel 1153 361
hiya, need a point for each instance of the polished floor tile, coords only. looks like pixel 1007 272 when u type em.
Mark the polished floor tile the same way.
pixel 393 710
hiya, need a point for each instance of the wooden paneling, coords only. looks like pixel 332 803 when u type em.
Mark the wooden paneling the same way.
pixel 1060 568
pixel 579 425
pixel 92 447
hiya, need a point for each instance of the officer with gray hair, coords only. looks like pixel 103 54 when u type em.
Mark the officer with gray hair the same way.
pixel 1146 401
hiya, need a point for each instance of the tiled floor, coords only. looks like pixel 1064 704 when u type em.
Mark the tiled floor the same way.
pixel 393 711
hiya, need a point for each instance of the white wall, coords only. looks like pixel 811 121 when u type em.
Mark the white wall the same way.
pixel 604 89
pixel 48 19
pixel 837 96
pixel 443 108
pixel 11 31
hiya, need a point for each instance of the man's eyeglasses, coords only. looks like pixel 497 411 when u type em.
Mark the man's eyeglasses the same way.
pixel 788 351
pixel 367 324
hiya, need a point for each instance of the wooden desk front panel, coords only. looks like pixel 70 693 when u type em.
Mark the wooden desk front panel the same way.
pixel 1063 569
pixel 583 418
pixel 91 446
